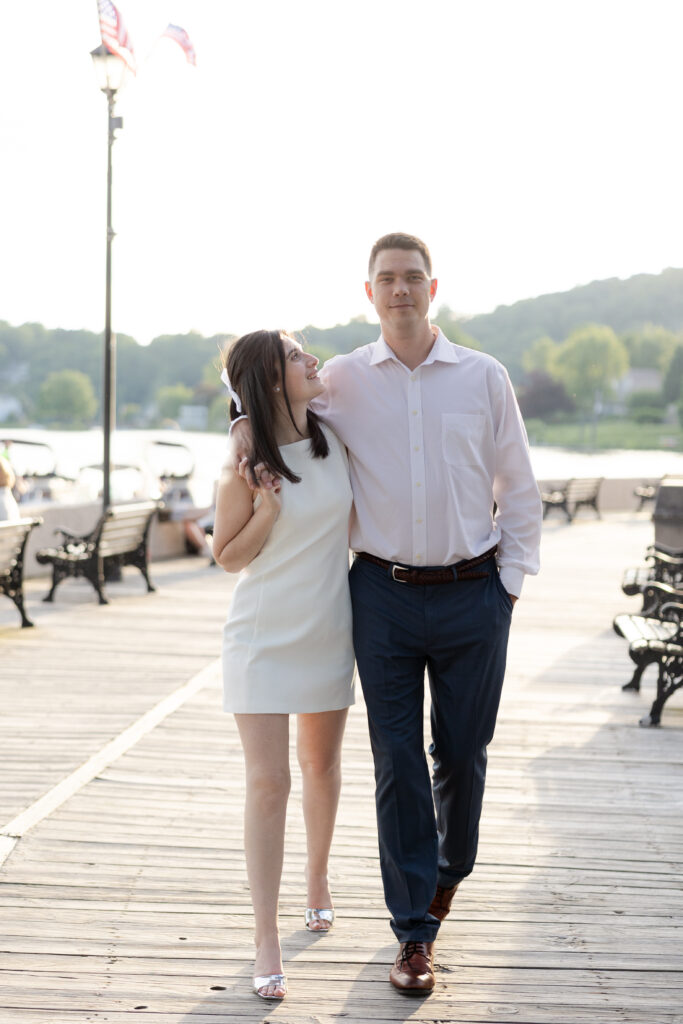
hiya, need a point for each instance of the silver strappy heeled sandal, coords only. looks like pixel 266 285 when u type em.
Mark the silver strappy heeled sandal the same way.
pixel 315 914
pixel 266 981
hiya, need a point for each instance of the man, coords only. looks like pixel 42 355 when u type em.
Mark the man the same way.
pixel 436 444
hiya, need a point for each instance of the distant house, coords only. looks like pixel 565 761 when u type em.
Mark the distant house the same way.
pixel 635 379
pixel 638 379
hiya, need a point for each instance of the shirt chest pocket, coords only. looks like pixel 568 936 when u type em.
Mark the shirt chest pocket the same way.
pixel 462 435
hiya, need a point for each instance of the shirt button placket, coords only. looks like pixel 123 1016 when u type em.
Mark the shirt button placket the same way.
pixel 417 471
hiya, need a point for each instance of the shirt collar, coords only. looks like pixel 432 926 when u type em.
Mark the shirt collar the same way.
pixel 442 351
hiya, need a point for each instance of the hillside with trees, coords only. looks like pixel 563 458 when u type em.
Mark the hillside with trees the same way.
pixel 625 305
pixel 564 353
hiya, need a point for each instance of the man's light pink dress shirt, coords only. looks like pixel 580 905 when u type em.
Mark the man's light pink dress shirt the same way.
pixel 430 451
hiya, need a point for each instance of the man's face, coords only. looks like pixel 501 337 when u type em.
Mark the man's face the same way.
pixel 401 289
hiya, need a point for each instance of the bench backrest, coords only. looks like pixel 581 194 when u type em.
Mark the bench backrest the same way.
pixel 124 527
pixel 12 537
pixel 584 487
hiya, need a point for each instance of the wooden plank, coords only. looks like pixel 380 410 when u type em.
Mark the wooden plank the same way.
pixel 109 665
pixel 137 883
pixel 111 752
pixel 649 982
pixel 227 1004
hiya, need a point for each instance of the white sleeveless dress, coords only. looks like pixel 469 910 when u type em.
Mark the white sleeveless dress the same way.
pixel 287 645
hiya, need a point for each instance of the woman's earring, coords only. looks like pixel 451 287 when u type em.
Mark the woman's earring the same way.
pixel 276 388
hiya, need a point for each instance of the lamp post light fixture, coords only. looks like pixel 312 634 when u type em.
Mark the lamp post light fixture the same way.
pixel 110 71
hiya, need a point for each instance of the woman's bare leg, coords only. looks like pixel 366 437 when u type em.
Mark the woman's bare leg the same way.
pixel 265 740
pixel 319 740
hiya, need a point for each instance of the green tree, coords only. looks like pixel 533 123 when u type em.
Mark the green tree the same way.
pixel 322 353
pixel 219 414
pixel 646 406
pixel 646 400
pixel 169 400
pixel 448 321
pixel 67 397
pixel 588 363
pixel 650 347
pixel 130 415
pixel 211 374
pixel 673 378
pixel 541 356
pixel 544 398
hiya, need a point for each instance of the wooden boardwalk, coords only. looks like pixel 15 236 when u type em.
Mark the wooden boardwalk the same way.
pixel 126 897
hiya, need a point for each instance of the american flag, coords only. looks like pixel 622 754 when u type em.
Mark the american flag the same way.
pixel 183 40
pixel 114 33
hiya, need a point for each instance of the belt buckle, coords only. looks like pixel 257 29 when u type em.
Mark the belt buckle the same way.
pixel 394 577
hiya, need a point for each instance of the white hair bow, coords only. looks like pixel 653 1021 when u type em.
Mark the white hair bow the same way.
pixel 231 391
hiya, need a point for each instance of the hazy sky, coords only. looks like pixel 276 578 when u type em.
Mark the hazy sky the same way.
pixel 534 145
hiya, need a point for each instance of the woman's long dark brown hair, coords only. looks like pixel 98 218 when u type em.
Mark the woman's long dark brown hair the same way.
pixel 255 364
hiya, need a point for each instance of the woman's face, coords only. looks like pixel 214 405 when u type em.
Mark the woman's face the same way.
pixel 301 377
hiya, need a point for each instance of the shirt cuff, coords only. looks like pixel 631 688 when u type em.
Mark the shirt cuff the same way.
pixel 512 579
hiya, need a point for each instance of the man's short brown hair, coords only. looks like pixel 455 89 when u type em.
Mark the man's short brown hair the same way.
pixel 398 240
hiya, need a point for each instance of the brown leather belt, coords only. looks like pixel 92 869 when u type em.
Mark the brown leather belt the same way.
pixel 423 577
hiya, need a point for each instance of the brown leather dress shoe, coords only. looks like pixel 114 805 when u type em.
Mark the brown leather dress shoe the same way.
pixel 441 904
pixel 413 972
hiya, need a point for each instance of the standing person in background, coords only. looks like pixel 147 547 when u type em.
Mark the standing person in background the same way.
pixel 8 506
pixel 287 645
pixel 446 522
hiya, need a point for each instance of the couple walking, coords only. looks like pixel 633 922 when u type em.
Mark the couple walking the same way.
pixel 412 452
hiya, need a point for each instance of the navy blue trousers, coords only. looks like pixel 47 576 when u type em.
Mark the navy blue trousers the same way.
pixel 458 633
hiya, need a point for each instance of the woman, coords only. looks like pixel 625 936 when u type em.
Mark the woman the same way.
pixel 287 642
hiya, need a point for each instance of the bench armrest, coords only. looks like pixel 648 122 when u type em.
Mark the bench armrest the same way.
pixel 672 611
pixel 655 594
pixel 70 536
pixel 664 559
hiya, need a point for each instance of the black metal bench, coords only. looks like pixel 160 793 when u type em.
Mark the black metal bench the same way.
pixel 572 495
pixel 656 639
pixel 118 539
pixel 669 678
pixel 13 539
pixel 664 567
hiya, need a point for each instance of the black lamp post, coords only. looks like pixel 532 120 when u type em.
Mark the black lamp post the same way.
pixel 110 70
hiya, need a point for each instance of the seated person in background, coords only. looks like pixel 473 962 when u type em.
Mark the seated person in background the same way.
pixel 199 534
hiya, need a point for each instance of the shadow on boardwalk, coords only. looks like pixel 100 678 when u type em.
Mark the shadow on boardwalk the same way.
pixel 130 899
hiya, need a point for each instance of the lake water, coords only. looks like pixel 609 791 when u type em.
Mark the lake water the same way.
pixel 151 449
pixel 562 463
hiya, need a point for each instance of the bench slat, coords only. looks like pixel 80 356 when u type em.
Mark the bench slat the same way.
pixel 129 527
pixel 636 627
pixel 9 546
pixel 12 536
pixel 584 488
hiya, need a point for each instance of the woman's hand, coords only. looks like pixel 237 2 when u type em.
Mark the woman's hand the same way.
pixel 270 496
pixel 260 479
pixel 241 440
